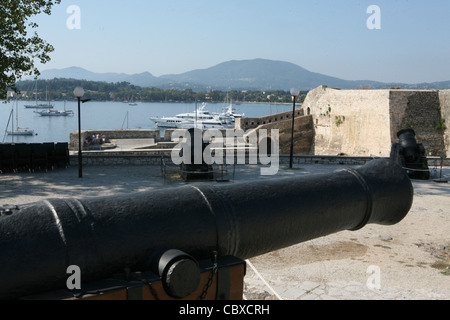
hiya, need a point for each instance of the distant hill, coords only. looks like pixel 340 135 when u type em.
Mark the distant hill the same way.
pixel 262 74
pixel 145 79
pixel 256 74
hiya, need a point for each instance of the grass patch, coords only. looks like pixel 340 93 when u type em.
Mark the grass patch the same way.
pixel 422 264
pixel 442 265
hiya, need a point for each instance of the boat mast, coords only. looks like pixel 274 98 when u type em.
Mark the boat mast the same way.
pixel 17 115
pixel 7 125
pixel 35 92
pixel 125 119
pixel 46 94
pixel 12 123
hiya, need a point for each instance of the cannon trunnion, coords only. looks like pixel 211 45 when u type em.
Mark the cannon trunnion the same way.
pixel 138 233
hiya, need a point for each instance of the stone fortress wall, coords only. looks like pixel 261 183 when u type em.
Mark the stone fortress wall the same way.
pixel 303 129
pixel 351 122
pixel 444 100
pixel 366 122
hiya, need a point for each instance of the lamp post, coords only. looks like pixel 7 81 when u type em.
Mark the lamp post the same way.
pixel 79 93
pixel 295 93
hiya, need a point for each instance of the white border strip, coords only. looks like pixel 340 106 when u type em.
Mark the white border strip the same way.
pixel 265 282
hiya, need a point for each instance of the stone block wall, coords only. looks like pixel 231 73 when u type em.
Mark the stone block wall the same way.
pixel 420 111
pixel 146 159
pixel 366 122
pixel 350 122
pixel 444 100
pixel 252 123
pixel 303 134
pixel 128 159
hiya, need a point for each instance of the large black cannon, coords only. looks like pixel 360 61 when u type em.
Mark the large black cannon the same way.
pixel 411 155
pixel 103 236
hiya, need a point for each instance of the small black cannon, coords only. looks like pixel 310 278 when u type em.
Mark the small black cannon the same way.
pixel 168 231
pixel 195 168
pixel 410 155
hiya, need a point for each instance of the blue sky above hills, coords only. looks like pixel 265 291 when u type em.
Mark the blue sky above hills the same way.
pixel 328 37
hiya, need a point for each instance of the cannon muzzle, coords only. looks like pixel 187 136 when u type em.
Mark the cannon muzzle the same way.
pixel 102 236
pixel 407 140
pixel 410 155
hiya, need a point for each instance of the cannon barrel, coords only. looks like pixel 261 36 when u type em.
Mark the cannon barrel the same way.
pixel 103 235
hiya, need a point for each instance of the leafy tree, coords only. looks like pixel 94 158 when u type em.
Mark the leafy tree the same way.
pixel 18 49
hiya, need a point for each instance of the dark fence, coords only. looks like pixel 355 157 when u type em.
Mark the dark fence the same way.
pixel 31 157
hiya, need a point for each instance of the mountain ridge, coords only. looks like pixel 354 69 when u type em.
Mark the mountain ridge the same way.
pixel 255 74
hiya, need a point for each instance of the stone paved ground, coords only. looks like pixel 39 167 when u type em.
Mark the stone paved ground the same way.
pixel 408 261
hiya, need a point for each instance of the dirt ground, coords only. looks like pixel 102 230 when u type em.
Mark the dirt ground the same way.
pixel 407 261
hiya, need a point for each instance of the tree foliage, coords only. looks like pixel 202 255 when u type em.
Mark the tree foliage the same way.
pixel 20 44
pixel 62 89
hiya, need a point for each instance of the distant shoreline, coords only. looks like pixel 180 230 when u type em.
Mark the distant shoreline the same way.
pixel 185 102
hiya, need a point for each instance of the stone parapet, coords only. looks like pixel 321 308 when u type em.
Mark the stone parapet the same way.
pixel 117 134
pixel 252 123
pixel 154 159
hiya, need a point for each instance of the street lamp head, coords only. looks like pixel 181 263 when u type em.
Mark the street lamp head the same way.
pixel 78 92
pixel 295 92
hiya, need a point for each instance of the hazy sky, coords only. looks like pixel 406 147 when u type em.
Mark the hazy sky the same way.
pixel 411 44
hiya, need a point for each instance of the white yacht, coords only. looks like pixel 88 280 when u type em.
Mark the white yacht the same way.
pixel 200 119
pixel 228 116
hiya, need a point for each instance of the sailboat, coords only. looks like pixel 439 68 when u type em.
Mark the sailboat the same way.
pixel 132 102
pixel 56 113
pixel 40 105
pixel 18 131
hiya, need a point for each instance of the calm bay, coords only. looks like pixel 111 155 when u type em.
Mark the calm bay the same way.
pixel 106 116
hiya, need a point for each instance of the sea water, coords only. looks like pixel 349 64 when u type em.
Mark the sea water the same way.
pixel 106 116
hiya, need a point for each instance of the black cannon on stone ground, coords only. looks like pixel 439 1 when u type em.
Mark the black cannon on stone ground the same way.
pixel 410 155
pixel 194 166
pixel 161 242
